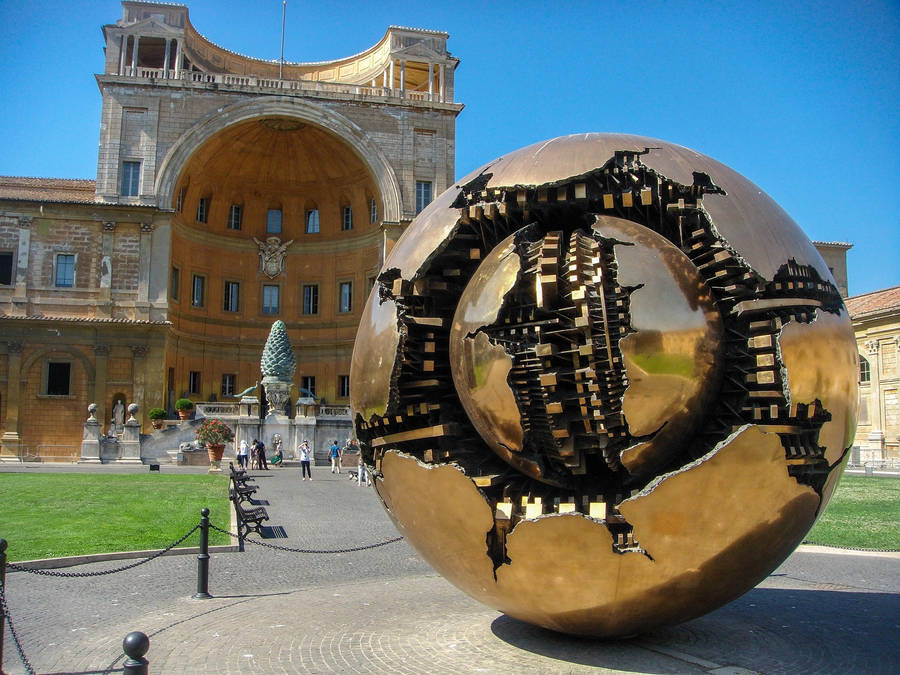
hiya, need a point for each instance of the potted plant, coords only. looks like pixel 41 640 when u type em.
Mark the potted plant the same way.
pixel 183 407
pixel 214 434
pixel 156 415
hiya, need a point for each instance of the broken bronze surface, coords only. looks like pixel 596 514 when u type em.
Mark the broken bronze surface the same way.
pixel 605 384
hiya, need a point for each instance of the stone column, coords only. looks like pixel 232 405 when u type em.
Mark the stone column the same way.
pixel 874 450
pixel 166 60
pixel 391 76
pixel 130 444
pixel 104 306
pixel 134 55
pixel 142 305
pixel 90 444
pixel 402 77
pixel 122 54
pixel 138 370
pixel 430 81
pixel 443 89
pixel 20 292
pixel 10 443
pixel 177 59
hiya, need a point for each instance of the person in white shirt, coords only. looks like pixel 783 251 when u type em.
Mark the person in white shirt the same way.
pixel 305 454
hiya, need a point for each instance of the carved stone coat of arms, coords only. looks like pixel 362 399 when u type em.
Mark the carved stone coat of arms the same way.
pixel 271 255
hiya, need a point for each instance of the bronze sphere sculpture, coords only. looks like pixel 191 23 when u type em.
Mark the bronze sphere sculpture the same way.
pixel 605 383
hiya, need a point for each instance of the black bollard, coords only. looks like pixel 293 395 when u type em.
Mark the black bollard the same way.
pixel 3 546
pixel 135 645
pixel 203 557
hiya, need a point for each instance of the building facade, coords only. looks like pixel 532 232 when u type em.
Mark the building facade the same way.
pixel 230 192
pixel 876 323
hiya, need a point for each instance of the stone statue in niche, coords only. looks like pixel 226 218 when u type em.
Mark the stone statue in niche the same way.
pixel 118 417
pixel 271 255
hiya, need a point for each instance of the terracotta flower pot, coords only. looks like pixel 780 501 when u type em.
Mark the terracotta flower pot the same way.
pixel 156 424
pixel 183 414
pixel 215 452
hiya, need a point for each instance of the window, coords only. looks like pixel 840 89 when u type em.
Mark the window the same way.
pixel 58 378
pixel 65 270
pixel 423 194
pixel 347 218
pixel 345 297
pixel 373 212
pixel 179 200
pixel 234 217
pixel 131 179
pixel 202 209
pixel 194 382
pixel 370 284
pixel 273 221
pixel 312 221
pixel 228 382
pixel 198 291
pixel 308 385
pixel 232 296
pixel 865 372
pixel 270 299
pixel 311 299
pixel 343 386
pixel 6 269
pixel 175 283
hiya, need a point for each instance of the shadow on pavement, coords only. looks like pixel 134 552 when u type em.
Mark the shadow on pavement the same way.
pixel 771 630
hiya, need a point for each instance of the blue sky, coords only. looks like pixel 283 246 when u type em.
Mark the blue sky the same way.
pixel 802 98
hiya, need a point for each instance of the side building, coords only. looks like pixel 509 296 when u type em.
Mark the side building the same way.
pixel 230 192
pixel 876 323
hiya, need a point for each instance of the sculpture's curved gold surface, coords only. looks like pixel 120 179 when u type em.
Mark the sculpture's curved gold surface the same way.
pixel 605 384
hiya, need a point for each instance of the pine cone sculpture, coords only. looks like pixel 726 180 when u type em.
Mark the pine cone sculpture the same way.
pixel 278 358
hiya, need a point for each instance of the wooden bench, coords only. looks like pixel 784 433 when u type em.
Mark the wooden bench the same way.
pixel 249 520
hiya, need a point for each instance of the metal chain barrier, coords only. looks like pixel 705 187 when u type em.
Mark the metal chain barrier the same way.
pixel 52 573
pixel 307 550
pixel 12 632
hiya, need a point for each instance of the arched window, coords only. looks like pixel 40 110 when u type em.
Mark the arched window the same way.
pixel 865 373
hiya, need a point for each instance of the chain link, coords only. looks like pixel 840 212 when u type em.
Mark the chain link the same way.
pixel 306 550
pixel 5 608
pixel 52 573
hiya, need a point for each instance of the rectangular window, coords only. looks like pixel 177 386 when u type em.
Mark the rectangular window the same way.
pixel 232 296
pixel 131 179
pixel 6 269
pixel 273 221
pixel 312 221
pixel 198 291
pixel 311 299
pixel 270 299
pixel 234 217
pixel 373 212
pixel 194 382
pixel 345 297
pixel 175 283
pixel 58 378
pixel 203 209
pixel 65 270
pixel 347 218
pixel 308 385
pixel 228 382
pixel 343 386
pixel 423 194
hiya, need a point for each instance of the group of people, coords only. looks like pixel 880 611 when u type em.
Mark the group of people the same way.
pixel 255 455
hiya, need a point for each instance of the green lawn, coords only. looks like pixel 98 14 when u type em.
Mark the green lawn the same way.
pixel 59 514
pixel 864 512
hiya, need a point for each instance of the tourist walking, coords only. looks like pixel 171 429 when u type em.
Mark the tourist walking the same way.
pixel 336 454
pixel 305 454
pixel 254 454
pixel 243 449
pixel 261 451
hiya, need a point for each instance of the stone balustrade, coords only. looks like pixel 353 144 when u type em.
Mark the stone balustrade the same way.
pixel 251 81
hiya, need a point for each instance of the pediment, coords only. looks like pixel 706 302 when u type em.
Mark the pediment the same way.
pixel 151 27
pixel 420 52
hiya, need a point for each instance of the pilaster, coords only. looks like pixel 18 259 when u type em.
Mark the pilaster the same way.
pixel 10 443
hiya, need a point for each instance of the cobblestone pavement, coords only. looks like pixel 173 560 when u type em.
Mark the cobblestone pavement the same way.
pixel 384 611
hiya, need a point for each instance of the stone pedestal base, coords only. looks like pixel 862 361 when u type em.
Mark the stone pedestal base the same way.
pixel 90 445
pixel 130 445
pixel 10 447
